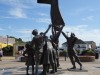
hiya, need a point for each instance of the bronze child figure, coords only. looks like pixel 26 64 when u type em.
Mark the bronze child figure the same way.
pixel 29 55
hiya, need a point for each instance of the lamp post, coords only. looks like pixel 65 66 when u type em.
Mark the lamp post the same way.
pixel 30 36
pixel 7 40
pixel 66 54
pixel 67 33
pixel 67 45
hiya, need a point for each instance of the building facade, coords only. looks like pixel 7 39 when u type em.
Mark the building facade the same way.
pixel 81 45
pixel 4 41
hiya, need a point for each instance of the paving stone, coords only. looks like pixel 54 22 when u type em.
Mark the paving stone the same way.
pixel 19 68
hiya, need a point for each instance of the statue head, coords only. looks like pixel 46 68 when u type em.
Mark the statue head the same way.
pixel 51 36
pixel 41 33
pixel 27 45
pixel 35 32
pixel 72 35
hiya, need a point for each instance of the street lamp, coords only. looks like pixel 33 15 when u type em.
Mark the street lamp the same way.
pixel 30 37
pixel 67 33
pixel 66 54
pixel 7 40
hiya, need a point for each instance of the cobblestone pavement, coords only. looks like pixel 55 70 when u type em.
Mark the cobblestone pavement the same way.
pixel 12 67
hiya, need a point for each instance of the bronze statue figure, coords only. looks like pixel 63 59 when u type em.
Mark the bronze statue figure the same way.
pixel 29 56
pixel 36 44
pixel 56 22
pixel 71 51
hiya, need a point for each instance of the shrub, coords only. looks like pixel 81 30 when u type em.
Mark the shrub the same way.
pixel 78 52
pixel 8 50
pixel 63 53
pixel 88 52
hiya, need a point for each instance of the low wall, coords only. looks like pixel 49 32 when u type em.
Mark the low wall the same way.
pixel 87 58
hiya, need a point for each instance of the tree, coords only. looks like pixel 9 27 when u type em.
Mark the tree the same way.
pixel 8 50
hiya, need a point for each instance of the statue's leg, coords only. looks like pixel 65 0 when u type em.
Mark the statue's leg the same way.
pixel 53 68
pixel 55 62
pixel 52 62
pixel 27 70
pixel 54 58
pixel 78 61
pixel 48 68
pixel 37 61
pixel 57 58
pixel 72 61
pixel 45 66
pixel 32 69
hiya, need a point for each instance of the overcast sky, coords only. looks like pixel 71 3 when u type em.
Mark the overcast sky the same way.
pixel 19 17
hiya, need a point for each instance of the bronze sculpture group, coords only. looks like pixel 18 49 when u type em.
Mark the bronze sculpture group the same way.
pixel 49 45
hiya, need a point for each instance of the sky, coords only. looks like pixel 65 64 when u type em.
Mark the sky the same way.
pixel 19 17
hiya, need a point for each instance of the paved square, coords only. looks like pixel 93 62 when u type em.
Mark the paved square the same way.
pixel 12 67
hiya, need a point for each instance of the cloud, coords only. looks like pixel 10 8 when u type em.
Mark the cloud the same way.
pixel 18 3
pixel 78 11
pixel 23 3
pixel 1 29
pixel 43 20
pixel 42 14
pixel 17 7
pixel 18 13
pixel 94 9
pixel 26 34
pixel 25 31
pixel 83 10
pixel 89 18
pixel 83 32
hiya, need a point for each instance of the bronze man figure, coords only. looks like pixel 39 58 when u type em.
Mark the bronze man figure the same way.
pixel 56 20
pixel 71 52
pixel 36 44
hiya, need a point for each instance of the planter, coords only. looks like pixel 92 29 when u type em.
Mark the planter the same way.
pixel 87 58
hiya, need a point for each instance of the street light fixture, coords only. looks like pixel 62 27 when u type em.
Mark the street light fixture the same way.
pixel 66 55
pixel 67 33
pixel 7 40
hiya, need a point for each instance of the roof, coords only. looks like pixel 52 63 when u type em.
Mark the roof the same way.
pixel 89 42
pixel 77 42
pixel 64 43
pixel 80 42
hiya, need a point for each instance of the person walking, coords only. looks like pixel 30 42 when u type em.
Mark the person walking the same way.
pixel 1 54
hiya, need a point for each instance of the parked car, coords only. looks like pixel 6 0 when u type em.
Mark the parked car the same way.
pixel 97 50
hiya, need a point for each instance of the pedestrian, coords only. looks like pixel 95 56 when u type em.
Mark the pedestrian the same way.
pixel 29 55
pixel 1 54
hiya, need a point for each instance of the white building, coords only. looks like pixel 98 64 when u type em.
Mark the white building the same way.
pixel 81 45
pixel 6 40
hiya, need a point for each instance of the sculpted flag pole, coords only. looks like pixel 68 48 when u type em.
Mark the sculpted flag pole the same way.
pixel 56 19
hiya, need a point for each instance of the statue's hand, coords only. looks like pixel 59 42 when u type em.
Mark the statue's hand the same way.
pixel 50 25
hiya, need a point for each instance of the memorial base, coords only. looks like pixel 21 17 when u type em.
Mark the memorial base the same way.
pixel 77 70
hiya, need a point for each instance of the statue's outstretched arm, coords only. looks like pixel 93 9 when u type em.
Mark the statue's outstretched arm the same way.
pixel 65 35
pixel 47 30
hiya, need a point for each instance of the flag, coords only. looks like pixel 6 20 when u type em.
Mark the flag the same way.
pixel 44 1
pixel 56 17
